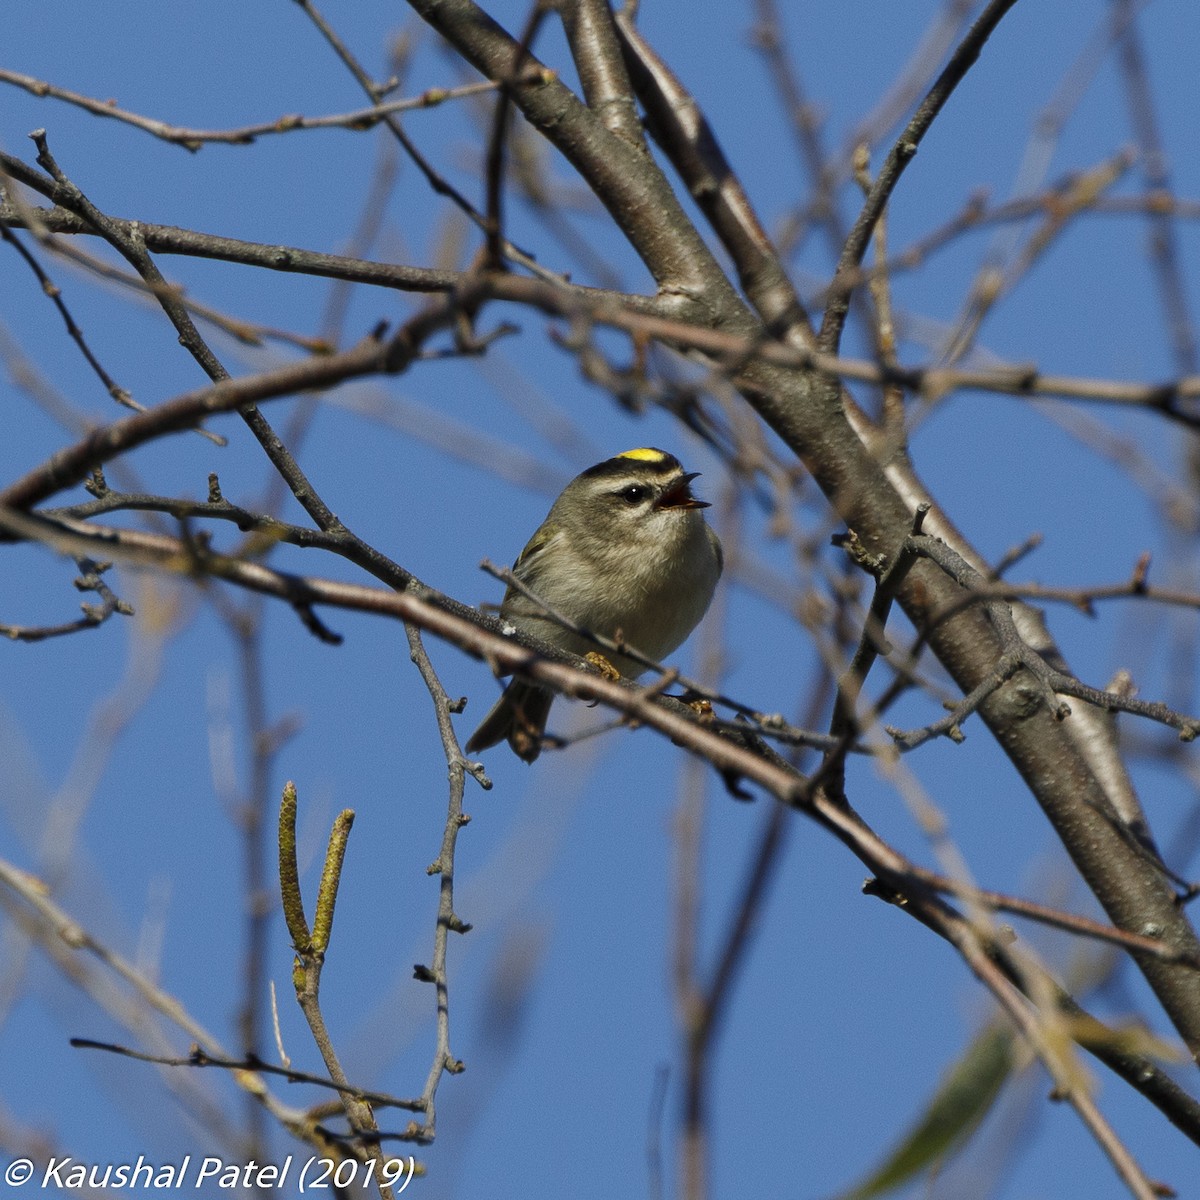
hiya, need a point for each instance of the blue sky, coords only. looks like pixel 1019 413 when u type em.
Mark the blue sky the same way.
pixel 847 1012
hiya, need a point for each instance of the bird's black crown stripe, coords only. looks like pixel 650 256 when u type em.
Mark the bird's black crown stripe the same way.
pixel 640 462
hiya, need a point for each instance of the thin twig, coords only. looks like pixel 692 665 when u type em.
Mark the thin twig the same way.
pixel 90 580
pixel 199 1057
pixel 448 921
pixel 497 140
pixel 900 155
pixel 438 182
pixel 193 139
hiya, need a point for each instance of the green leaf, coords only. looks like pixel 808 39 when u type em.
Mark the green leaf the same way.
pixel 964 1097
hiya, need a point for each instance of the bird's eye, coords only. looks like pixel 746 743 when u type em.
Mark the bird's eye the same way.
pixel 635 493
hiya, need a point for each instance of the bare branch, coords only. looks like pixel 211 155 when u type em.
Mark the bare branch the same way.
pixel 901 155
pixel 194 139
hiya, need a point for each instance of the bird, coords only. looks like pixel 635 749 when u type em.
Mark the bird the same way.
pixel 624 552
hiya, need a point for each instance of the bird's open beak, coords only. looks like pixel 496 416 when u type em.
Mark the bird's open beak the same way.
pixel 680 496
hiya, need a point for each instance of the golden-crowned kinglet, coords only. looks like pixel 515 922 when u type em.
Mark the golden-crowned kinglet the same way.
pixel 624 552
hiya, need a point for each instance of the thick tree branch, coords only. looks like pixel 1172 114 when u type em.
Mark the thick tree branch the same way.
pixel 626 181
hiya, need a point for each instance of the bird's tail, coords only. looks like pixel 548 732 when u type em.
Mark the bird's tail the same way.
pixel 519 717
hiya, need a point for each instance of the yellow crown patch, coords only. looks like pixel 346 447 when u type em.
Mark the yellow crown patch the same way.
pixel 644 454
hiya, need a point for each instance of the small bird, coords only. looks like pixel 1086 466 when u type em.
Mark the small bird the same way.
pixel 624 552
